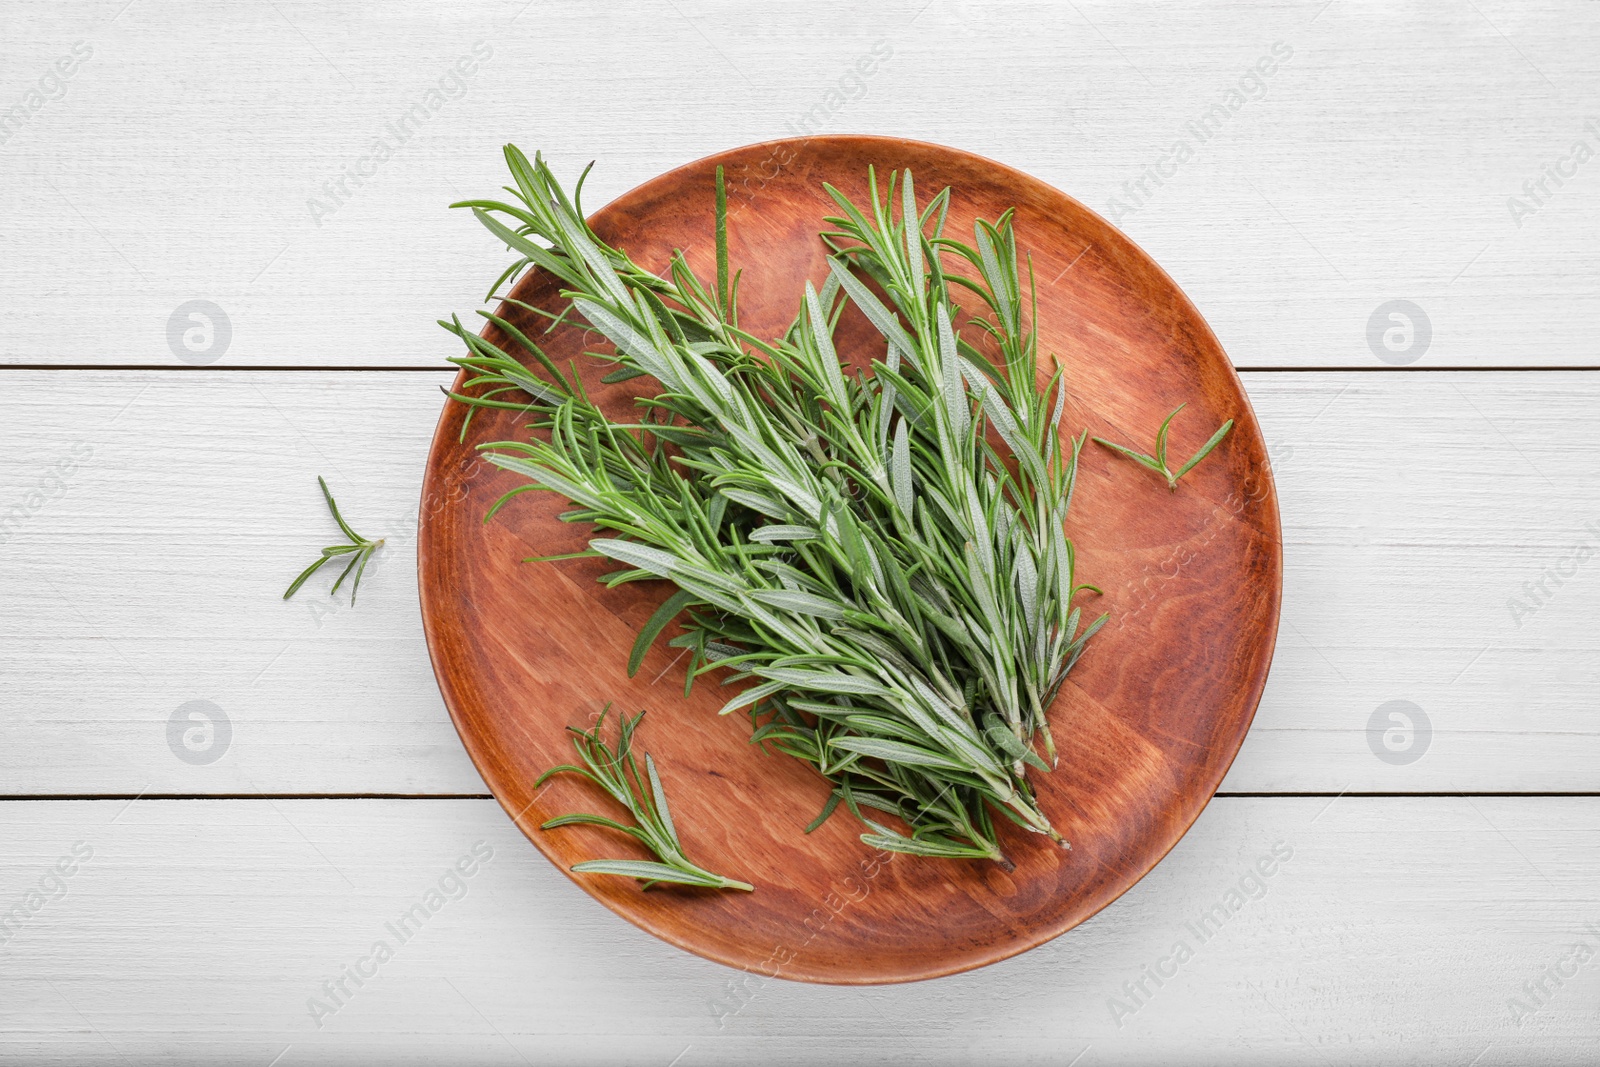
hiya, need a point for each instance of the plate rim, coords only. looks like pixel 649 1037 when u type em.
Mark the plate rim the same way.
pixel 1270 527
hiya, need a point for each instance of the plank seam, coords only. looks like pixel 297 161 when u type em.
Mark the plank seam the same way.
pixel 63 797
pixel 1495 368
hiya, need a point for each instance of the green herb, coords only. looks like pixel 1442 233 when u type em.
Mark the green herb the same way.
pixel 727 297
pixel 1158 462
pixel 359 548
pixel 898 592
pixel 618 774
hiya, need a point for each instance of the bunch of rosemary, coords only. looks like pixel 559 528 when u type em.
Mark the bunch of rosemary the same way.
pixel 892 578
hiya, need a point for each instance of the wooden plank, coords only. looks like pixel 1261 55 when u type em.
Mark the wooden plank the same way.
pixel 194 153
pixel 200 931
pixel 1415 508
pixel 196 496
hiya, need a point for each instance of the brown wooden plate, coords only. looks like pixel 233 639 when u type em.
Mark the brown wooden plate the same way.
pixel 1147 724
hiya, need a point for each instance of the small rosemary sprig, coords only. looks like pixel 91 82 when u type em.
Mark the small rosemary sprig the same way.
pixel 360 548
pixel 618 774
pixel 1158 462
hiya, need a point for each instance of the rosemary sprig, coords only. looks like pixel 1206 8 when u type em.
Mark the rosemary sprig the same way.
pixel 899 592
pixel 359 548
pixel 618 774
pixel 1158 462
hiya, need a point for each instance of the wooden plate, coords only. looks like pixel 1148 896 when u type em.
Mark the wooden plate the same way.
pixel 1147 724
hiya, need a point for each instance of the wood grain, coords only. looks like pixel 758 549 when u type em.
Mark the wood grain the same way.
pixel 1397 932
pixel 1148 724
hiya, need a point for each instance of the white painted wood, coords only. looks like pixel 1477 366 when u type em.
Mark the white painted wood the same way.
pixel 1376 163
pixel 1398 930
pixel 1415 507
pixel 155 578
pixel 148 521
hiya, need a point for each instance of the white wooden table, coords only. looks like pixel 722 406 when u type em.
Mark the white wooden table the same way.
pixel 1437 472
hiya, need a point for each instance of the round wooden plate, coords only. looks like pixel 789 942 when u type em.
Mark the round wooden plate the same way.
pixel 1147 724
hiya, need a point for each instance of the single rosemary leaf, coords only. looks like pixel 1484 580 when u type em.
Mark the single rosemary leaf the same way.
pixel 585 819
pixel 669 610
pixel 1161 435
pixel 827 810
pixel 723 304
pixel 1205 449
pixel 646 871
pixel 1138 457
pixel 660 797
pixel 898 752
